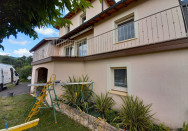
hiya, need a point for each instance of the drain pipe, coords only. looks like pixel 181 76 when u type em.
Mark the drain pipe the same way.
pixel 102 5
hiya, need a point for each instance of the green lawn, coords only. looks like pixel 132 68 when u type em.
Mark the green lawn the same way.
pixel 14 108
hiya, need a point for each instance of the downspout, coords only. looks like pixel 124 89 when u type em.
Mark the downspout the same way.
pixel 102 5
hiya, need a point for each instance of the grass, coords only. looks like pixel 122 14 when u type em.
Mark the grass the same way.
pixel 14 108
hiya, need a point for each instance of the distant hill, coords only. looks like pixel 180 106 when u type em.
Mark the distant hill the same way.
pixel 8 57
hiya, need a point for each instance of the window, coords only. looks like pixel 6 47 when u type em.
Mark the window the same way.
pixel 68 51
pixel 120 78
pixel 68 28
pixel 82 48
pixel 83 18
pixel 125 30
pixel 184 6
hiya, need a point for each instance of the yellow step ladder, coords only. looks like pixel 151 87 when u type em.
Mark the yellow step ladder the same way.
pixel 42 97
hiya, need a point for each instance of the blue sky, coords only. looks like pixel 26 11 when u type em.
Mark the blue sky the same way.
pixel 21 46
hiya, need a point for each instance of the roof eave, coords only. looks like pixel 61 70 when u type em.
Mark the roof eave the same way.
pixel 79 28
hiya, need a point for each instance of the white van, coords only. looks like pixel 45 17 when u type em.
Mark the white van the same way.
pixel 8 75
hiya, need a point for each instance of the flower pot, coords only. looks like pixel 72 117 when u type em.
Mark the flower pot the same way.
pixel 10 94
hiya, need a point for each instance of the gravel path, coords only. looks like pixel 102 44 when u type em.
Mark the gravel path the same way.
pixel 22 88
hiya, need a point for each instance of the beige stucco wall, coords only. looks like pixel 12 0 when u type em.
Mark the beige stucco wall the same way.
pixel 90 12
pixel 158 78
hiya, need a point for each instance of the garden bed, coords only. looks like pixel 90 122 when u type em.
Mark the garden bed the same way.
pixel 89 121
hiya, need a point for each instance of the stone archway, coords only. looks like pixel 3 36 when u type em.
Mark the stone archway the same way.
pixel 42 75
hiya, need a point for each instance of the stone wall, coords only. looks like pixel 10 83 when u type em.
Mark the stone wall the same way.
pixel 86 120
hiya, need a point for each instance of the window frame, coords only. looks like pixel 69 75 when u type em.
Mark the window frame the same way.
pixel 76 46
pixel 70 53
pixel 110 77
pixel 119 87
pixel 81 18
pixel 68 28
pixel 126 20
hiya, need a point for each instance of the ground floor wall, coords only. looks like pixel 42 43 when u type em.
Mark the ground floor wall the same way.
pixel 160 79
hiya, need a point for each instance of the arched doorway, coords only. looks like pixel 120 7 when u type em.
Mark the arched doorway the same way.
pixel 42 75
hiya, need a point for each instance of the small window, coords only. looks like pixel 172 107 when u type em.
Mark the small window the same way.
pixel 82 48
pixel 125 30
pixel 82 18
pixel 68 29
pixel 120 78
pixel 68 51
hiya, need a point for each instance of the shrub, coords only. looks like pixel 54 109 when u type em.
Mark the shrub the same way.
pixel 160 127
pixel 73 93
pixel 103 103
pixel 185 127
pixel 110 116
pixel 134 115
pixel 25 72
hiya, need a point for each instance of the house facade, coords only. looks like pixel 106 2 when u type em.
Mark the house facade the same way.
pixel 135 47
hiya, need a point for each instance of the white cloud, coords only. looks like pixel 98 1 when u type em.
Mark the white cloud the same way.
pixel 117 0
pixel 3 53
pixel 22 52
pixel 46 31
pixel 18 42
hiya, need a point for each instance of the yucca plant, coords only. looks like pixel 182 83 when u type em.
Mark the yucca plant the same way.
pixel 103 103
pixel 134 115
pixel 72 93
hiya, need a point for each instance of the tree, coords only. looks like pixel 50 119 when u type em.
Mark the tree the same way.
pixel 29 60
pixel 24 15
pixel 25 72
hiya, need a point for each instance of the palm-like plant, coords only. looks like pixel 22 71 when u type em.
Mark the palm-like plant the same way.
pixel 103 103
pixel 73 92
pixel 134 115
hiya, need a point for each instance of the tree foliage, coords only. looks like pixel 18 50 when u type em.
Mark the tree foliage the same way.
pixel 25 72
pixel 24 15
pixel 21 64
